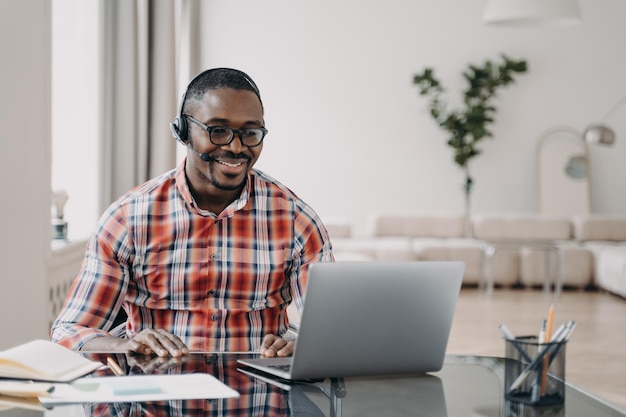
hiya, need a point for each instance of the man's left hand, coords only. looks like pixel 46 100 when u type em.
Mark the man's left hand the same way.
pixel 273 346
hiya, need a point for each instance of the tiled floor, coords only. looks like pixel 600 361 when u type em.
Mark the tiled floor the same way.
pixel 596 352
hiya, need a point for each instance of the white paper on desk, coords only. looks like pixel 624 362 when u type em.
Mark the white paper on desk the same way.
pixel 139 388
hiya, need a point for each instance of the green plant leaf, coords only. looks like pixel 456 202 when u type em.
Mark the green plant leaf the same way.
pixel 469 125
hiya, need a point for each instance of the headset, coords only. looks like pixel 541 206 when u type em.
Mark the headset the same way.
pixel 179 126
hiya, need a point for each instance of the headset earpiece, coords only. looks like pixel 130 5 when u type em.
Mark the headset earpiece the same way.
pixel 179 124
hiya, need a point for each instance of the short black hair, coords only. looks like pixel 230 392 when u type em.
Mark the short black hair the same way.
pixel 218 78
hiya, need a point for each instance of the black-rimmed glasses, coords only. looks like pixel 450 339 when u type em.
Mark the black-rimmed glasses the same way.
pixel 222 135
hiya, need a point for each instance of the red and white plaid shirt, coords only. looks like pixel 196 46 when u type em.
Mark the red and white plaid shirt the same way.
pixel 219 283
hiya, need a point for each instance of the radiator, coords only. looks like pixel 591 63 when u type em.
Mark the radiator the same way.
pixel 64 264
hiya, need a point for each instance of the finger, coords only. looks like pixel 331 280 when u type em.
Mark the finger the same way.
pixel 161 342
pixel 150 340
pixel 286 350
pixel 138 347
pixel 277 345
pixel 153 365
pixel 171 362
pixel 172 343
pixel 268 340
pixel 267 347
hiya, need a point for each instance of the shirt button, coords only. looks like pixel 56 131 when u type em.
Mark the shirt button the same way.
pixel 213 317
pixel 211 292
pixel 213 256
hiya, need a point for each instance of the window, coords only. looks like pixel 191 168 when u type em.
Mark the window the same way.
pixel 76 110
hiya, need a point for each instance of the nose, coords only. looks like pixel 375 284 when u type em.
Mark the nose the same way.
pixel 236 145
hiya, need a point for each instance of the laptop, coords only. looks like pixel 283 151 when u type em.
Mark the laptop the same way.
pixel 371 318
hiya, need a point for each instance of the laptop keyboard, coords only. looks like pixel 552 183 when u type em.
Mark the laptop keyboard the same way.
pixel 284 368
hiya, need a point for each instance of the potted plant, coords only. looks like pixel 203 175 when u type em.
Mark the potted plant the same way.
pixel 467 126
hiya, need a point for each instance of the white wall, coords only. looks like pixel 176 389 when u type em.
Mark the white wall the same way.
pixel 350 133
pixel 24 169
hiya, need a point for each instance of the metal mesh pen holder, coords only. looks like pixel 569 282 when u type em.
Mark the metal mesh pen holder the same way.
pixel 534 372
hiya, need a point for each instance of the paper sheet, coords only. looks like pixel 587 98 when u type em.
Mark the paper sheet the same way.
pixel 138 388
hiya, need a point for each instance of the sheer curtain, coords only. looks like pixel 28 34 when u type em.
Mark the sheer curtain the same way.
pixel 148 51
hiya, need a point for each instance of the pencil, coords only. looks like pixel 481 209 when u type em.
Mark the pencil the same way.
pixel 117 370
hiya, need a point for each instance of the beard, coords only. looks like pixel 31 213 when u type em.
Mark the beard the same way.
pixel 214 178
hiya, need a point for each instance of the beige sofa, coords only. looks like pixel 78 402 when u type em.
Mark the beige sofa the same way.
pixel 588 250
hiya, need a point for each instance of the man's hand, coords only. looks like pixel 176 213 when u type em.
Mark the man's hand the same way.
pixel 157 341
pixel 150 364
pixel 275 346
pixel 146 342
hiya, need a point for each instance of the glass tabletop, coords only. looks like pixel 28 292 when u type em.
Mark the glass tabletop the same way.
pixel 467 386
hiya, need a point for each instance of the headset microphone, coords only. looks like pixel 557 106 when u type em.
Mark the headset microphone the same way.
pixel 204 156
pixel 175 132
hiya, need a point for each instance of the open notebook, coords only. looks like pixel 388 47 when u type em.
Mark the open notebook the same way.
pixel 371 318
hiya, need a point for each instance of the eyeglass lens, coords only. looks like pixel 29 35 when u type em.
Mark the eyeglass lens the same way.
pixel 223 136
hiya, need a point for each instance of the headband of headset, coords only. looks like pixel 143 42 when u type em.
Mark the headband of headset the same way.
pixel 179 126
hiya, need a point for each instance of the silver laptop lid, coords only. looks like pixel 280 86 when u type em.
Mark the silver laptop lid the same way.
pixel 372 318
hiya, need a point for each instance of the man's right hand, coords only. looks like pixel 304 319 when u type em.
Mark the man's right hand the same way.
pixel 146 342
pixel 157 341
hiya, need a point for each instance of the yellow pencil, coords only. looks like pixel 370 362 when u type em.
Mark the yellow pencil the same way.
pixel 117 370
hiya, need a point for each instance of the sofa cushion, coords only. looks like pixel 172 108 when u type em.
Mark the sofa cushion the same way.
pixel 377 249
pixel 519 227
pixel 443 226
pixel 338 228
pixel 609 266
pixel 471 253
pixel 599 227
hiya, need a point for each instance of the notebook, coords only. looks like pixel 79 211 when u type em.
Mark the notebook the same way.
pixel 371 318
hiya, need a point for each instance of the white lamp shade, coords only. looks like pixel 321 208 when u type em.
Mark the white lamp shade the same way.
pixel 529 12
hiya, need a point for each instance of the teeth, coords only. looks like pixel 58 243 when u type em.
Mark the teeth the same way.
pixel 230 165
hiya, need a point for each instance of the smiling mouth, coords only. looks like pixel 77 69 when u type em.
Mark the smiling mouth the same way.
pixel 231 165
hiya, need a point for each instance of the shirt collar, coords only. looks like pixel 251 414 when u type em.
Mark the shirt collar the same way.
pixel 183 187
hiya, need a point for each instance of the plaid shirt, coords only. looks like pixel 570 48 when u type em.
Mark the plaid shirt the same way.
pixel 220 283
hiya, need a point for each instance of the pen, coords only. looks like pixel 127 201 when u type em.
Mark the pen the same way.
pixel 542 333
pixel 569 328
pixel 548 335
pixel 117 370
pixel 511 338
pixel 506 332
pixel 541 339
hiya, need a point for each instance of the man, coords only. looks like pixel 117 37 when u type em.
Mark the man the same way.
pixel 207 256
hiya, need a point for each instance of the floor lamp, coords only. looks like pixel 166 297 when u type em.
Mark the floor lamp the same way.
pixel 600 133
pixel 563 177
pixel 563 172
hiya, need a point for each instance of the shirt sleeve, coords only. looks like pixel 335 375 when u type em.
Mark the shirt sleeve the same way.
pixel 96 295
pixel 312 245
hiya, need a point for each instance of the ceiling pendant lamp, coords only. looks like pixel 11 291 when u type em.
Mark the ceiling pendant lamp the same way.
pixel 532 12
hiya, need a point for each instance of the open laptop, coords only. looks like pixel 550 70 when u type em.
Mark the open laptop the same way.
pixel 371 318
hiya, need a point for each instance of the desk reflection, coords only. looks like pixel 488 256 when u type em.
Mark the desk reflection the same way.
pixel 257 398
pixel 263 395
pixel 467 386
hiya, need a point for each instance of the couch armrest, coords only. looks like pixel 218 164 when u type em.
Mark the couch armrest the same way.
pixel 600 227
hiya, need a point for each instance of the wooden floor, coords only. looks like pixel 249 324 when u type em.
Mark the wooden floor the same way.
pixel 596 351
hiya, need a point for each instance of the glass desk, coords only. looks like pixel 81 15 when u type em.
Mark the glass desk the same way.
pixel 467 386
